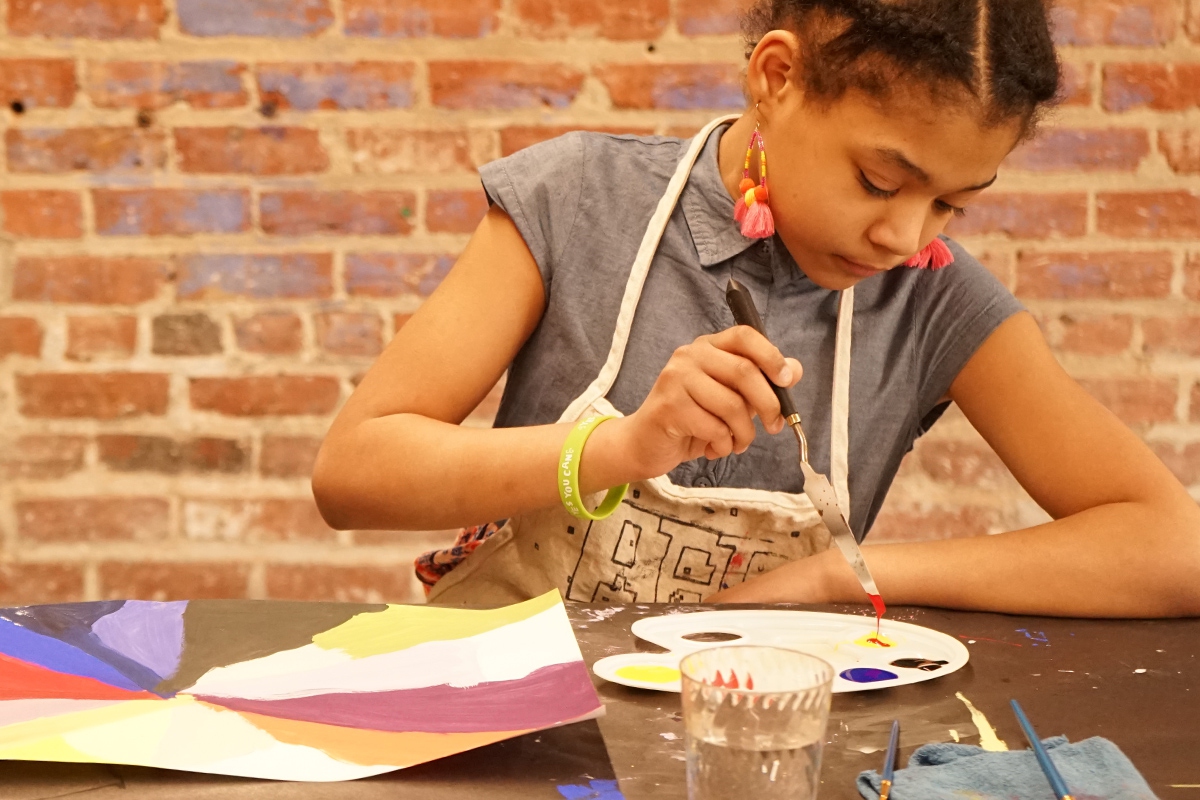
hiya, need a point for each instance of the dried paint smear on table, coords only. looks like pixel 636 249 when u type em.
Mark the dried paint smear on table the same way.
pixel 289 691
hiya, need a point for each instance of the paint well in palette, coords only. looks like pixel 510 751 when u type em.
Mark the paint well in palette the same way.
pixel 867 675
pixel 649 673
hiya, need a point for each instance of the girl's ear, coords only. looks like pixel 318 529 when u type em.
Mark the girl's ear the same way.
pixel 772 74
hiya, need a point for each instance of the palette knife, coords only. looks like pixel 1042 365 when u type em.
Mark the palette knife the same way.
pixel 816 485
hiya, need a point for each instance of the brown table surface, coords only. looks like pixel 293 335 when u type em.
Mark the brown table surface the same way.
pixel 1134 682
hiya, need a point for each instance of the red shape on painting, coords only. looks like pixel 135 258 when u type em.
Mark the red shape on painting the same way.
pixel 750 682
pixel 733 681
pixel 22 681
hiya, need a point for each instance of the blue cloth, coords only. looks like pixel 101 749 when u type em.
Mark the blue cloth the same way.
pixel 1094 769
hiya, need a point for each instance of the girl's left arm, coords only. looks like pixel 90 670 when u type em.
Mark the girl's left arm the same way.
pixel 1125 540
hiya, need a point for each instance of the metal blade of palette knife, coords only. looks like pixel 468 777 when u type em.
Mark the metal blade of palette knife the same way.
pixel 824 499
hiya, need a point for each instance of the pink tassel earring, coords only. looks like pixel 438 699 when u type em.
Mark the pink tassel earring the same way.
pixel 751 209
pixel 935 255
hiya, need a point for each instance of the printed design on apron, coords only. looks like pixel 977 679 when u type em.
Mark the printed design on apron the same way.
pixel 664 543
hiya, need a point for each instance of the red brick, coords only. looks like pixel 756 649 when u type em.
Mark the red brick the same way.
pixel 153 85
pixel 98 337
pixel 1172 335
pixel 20 336
pixel 37 82
pixel 454 210
pixel 112 395
pixel 265 18
pixel 170 212
pixel 347 333
pixel 1191 277
pixel 961 463
pixel 50 150
pixel 1094 334
pixel 194 334
pixel 1075 88
pixel 910 523
pixel 673 86
pixel 393 151
pixel 1195 403
pixel 264 276
pixel 1193 20
pixel 256 151
pixel 86 19
pixel 709 17
pixel 42 214
pixel 461 19
pixel 350 584
pixel 1024 216
pixel 1182 459
pixel 1156 214
pixel 32 584
pixel 1120 22
pixel 92 519
pixel 296 213
pixel 1093 275
pixel 1162 87
pixel 362 85
pixel 1083 150
pixel 288 456
pixel 256 521
pixel 41 457
pixel 518 137
pixel 137 453
pixel 89 279
pixel 159 581
pixel 502 84
pixel 608 19
pixel 1181 148
pixel 266 395
pixel 395 274
pixel 270 333
pixel 1136 400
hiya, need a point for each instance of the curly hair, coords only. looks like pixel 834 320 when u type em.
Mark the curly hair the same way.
pixel 1000 52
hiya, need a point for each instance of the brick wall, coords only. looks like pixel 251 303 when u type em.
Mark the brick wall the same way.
pixel 214 213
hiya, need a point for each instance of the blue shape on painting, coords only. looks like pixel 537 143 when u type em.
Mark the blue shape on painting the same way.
pixel 596 790
pixel 868 675
pixel 24 644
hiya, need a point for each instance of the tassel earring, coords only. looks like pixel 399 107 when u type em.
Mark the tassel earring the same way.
pixel 751 209
pixel 935 255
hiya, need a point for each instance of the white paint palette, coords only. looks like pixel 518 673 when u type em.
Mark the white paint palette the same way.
pixel 903 654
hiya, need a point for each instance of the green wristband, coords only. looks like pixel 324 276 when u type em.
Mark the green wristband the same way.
pixel 568 472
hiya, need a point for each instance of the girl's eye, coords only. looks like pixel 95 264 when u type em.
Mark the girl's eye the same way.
pixel 872 188
pixel 946 208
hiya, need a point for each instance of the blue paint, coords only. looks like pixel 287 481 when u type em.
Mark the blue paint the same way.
pixel 257 276
pixel 147 633
pixel 1037 638
pixel 868 675
pixel 274 18
pixel 595 790
pixel 19 642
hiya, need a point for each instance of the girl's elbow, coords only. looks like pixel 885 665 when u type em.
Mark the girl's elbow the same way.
pixel 329 491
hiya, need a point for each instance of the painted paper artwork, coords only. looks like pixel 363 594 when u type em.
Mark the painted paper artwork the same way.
pixel 282 690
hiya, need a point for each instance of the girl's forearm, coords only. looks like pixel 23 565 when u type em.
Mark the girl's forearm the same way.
pixel 409 472
pixel 1117 560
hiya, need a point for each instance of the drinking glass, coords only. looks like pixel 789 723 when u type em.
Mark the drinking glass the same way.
pixel 754 722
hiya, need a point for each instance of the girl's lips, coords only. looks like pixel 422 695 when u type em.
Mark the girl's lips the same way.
pixel 861 270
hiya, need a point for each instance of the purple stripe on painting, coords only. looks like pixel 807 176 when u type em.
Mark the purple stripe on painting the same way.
pixel 147 632
pixel 548 696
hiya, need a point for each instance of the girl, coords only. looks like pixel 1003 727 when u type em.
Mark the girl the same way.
pixel 597 280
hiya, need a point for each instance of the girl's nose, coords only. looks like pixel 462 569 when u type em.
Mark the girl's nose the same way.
pixel 898 232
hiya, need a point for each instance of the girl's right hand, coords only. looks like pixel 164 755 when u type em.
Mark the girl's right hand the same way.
pixel 705 400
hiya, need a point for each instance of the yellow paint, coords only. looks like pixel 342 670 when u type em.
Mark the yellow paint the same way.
pixel 866 641
pixel 988 739
pixel 401 627
pixel 649 674
pixel 46 739
pixel 954 734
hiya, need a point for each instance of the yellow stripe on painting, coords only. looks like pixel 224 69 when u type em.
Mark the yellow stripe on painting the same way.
pixel 369 748
pixel 23 735
pixel 400 627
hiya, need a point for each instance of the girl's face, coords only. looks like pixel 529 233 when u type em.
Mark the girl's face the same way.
pixel 859 186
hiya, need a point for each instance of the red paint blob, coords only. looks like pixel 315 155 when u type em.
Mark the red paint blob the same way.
pixel 880 610
pixel 880 642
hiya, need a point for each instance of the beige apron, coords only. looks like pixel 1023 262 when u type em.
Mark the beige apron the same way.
pixel 664 543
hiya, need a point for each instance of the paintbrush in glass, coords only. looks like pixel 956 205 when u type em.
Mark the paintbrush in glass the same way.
pixel 1052 774
pixel 889 762
pixel 816 485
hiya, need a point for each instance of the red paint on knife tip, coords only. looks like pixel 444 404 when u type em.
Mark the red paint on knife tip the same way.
pixel 880 610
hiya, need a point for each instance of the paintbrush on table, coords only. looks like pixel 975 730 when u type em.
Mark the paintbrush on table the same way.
pixel 889 762
pixel 816 485
pixel 1052 774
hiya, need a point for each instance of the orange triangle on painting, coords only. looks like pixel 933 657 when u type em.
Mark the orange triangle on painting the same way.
pixel 23 681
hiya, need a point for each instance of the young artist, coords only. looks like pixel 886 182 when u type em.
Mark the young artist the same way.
pixel 869 125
